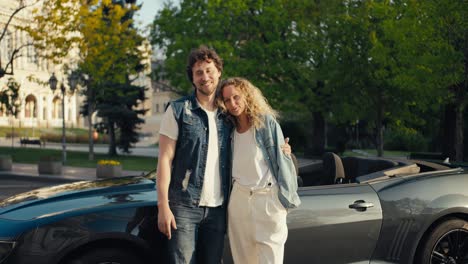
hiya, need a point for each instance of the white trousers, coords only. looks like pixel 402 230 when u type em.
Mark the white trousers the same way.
pixel 256 225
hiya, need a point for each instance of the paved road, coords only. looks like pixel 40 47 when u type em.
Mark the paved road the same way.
pixel 13 184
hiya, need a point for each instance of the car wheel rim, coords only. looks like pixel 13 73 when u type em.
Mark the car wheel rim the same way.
pixel 451 248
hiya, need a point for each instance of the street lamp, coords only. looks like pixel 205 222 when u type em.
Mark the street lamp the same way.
pixel 72 82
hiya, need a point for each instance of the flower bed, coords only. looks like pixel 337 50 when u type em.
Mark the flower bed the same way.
pixel 108 169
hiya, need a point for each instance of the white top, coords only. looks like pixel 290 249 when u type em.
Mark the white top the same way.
pixel 249 167
pixel 211 194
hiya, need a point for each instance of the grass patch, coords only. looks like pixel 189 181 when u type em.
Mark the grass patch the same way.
pixel 78 159
pixel 37 132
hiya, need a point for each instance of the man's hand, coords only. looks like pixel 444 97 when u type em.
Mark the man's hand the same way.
pixel 166 220
pixel 286 147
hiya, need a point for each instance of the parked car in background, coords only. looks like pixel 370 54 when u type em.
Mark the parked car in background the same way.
pixel 354 210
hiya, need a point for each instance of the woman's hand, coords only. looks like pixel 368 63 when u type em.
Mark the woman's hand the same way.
pixel 286 148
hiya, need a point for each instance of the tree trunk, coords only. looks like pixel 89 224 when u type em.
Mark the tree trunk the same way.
pixel 112 145
pixel 459 132
pixel 448 127
pixel 461 100
pixel 460 103
pixel 318 134
pixel 12 133
pixel 90 128
pixel 379 136
pixel 90 138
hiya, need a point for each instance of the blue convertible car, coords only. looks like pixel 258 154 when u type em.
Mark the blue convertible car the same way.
pixel 354 210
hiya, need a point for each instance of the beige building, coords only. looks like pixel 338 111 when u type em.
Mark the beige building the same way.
pixel 160 95
pixel 40 106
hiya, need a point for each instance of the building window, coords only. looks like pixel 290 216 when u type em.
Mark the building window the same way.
pixel 44 109
pixel 57 108
pixel 32 55
pixel 30 107
pixel 6 47
pixel 156 109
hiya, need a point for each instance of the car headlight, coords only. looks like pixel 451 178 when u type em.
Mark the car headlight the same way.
pixel 5 249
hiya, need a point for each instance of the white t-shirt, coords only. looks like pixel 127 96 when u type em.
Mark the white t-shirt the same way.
pixel 211 194
pixel 249 167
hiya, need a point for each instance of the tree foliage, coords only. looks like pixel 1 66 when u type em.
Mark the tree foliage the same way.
pixel 9 98
pixel 112 55
pixel 109 53
pixel 388 63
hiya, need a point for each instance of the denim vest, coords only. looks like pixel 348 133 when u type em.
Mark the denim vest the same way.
pixel 270 139
pixel 188 165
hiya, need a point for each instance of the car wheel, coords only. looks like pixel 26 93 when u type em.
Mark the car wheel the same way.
pixel 447 243
pixel 106 256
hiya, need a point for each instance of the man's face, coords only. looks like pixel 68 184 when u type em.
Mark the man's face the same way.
pixel 205 77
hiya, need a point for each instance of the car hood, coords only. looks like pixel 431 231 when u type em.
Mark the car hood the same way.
pixel 76 196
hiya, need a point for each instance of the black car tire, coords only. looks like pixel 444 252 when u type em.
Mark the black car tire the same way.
pixel 438 242
pixel 106 256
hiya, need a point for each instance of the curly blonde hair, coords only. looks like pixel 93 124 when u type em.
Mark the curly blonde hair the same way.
pixel 256 105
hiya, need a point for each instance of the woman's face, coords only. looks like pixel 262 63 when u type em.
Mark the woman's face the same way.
pixel 233 100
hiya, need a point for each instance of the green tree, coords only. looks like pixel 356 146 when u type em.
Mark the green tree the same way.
pixel 447 54
pixel 380 62
pixel 109 51
pixel 387 63
pixel 112 55
pixel 9 102
pixel 279 45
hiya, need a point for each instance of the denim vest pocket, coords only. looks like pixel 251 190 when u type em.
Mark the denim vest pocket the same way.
pixel 191 130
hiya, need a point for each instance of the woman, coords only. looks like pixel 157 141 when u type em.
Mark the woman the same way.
pixel 265 183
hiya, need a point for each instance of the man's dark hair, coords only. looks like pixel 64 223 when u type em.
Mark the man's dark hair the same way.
pixel 203 53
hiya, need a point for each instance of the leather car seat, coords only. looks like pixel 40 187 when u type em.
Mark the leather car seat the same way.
pixel 300 182
pixel 333 170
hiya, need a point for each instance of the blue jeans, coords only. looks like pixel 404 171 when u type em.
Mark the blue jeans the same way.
pixel 199 237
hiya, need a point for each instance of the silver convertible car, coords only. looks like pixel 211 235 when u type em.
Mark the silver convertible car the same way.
pixel 354 210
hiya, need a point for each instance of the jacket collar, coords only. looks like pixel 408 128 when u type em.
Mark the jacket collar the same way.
pixel 193 102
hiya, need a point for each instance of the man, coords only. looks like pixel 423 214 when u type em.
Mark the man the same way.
pixel 193 169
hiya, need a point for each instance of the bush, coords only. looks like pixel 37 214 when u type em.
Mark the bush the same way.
pixel 405 139
pixel 10 135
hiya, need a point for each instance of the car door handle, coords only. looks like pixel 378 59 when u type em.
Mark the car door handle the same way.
pixel 361 205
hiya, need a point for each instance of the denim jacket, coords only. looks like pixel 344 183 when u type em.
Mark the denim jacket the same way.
pixel 188 165
pixel 270 139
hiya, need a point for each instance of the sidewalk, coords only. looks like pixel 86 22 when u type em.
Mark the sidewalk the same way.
pixel 138 150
